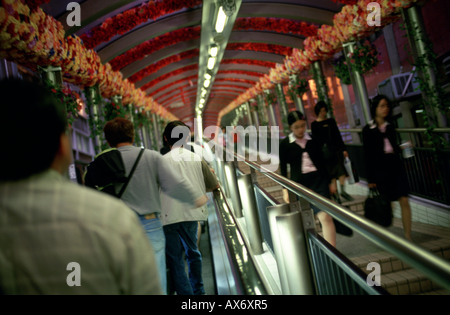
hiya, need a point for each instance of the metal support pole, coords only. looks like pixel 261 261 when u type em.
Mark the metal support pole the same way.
pixel 151 136
pixel 419 41
pixel 231 182
pixel 130 108
pixel 250 210
pixel 156 131
pixel 262 109
pixel 294 249
pixel 283 107
pixel 54 75
pixel 358 84
pixel 93 94
pixel 272 213
pixel 249 114
pixel 321 84
pixel 272 117
pixel 145 140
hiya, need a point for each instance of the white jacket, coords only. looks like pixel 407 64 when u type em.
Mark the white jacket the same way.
pixel 188 165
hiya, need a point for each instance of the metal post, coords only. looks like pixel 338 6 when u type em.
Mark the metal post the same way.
pixel 131 112
pixel 156 131
pixel 92 94
pixel 272 213
pixel 145 139
pixel 283 106
pixel 249 114
pixel 321 84
pixel 262 109
pixel 294 249
pixel 272 117
pixel 231 182
pixel 419 41
pixel 358 84
pixel 151 138
pixel 250 210
pixel 54 76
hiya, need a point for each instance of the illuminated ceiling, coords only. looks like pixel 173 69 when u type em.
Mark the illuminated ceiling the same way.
pixel 162 54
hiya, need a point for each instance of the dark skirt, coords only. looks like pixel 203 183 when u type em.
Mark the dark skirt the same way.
pixel 391 179
pixel 316 182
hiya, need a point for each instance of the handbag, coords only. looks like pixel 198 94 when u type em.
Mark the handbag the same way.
pixel 378 208
pixel 351 171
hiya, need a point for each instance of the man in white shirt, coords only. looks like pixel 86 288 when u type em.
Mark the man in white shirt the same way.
pixel 180 220
pixel 57 237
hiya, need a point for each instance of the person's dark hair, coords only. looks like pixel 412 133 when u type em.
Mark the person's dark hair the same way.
pixel 374 104
pixel 119 130
pixel 32 121
pixel 294 116
pixel 319 106
pixel 172 135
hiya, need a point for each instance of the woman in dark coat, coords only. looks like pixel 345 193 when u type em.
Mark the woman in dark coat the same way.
pixel 385 170
pixel 307 167
pixel 326 132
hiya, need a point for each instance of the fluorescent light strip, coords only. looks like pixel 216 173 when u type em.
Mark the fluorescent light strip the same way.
pixel 221 20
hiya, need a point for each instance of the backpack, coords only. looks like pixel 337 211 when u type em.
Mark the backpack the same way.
pixel 107 170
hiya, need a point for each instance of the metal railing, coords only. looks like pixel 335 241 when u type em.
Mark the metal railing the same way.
pixel 432 266
pixel 428 171
pixel 298 237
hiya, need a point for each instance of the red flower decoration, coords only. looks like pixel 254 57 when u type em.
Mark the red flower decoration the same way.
pixel 347 2
pixel 270 48
pixel 154 44
pixel 276 25
pixel 128 20
pixel 162 63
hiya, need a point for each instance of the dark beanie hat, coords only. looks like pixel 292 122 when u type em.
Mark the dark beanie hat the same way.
pixel 294 116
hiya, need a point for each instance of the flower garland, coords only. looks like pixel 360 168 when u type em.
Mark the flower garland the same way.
pixel 349 24
pixel 278 25
pixel 31 37
pixel 168 75
pixel 162 63
pixel 298 87
pixel 270 48
pixel 346 2
pixel 67 98
pixel 267 64
pixel 270 97
pixel 149 47
pixel 341 70
pixel 364 58
pixel 128 20
pixel 112 110
pixel 34 4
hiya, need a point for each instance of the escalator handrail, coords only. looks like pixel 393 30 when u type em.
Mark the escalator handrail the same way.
pixel 434 267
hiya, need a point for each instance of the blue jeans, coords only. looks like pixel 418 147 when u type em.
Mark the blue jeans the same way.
pixel 155 233
pixel 179 236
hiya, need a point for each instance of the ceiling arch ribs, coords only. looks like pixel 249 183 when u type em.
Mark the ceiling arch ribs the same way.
pixel 149 31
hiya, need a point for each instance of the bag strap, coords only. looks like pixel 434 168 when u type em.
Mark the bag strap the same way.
pixel 122 190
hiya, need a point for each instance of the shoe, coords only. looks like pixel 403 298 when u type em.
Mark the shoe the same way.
pixel 346 196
